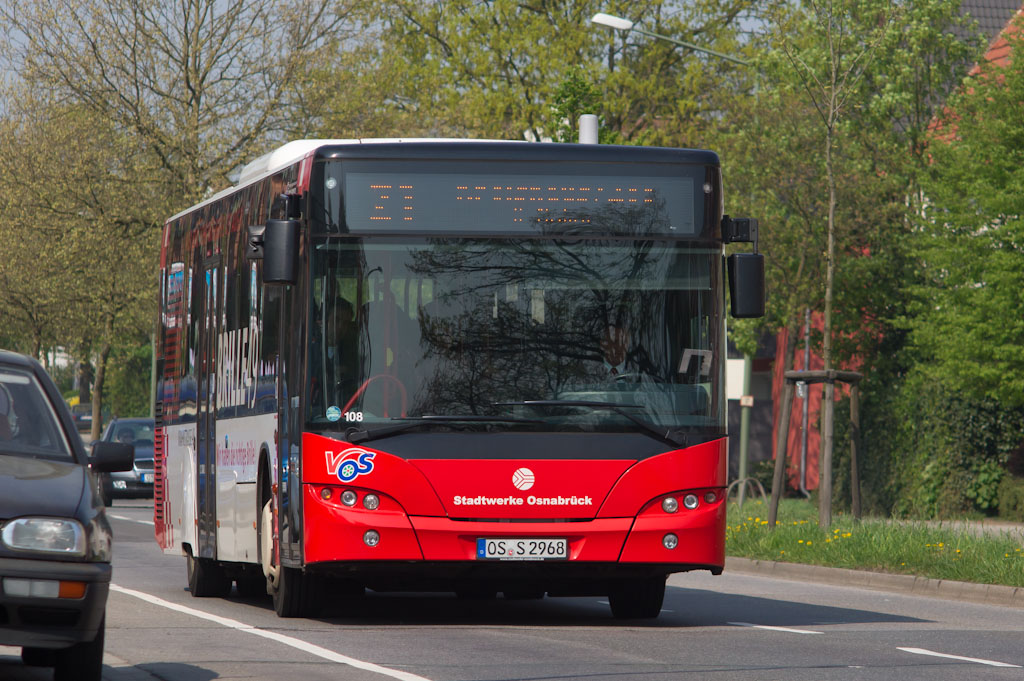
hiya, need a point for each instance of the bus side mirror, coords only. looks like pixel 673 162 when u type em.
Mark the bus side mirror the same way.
pixel 746 284
pixel 280 251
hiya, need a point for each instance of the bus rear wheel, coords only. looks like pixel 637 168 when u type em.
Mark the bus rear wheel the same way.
pixel 640 598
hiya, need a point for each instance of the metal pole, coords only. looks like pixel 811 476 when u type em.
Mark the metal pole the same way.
pixel 805 407
pixel 691 46
pixel 746 404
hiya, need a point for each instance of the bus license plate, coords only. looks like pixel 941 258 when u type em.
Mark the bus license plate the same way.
pixel 522 549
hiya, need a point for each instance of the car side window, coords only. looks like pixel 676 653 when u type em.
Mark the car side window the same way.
pixel 28 422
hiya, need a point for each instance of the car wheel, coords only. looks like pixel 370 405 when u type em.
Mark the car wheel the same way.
pixel 637 598
pixel 38 657
pixel 206 578
pixel 82 661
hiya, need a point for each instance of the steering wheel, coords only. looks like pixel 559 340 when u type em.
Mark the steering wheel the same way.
pixel 366 384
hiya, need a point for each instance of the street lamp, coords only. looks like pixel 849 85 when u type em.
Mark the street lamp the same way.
pixel 626 25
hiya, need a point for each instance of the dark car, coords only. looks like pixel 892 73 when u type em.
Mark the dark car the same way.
pixel 82 414
pixel 137 482
pixel 55 541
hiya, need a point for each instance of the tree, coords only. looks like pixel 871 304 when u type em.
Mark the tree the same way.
pixel 770 142
pixel 969 324
pixel 89 223
pixel 202 84
pixel 491 69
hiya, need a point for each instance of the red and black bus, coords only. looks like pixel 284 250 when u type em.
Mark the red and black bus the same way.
pixel 441 365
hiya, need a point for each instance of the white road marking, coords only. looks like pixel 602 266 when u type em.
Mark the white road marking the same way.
pixel 272 635
pixel 991 663
pixel 765 626
pixel 131 520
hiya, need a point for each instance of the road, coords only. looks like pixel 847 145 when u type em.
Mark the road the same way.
pixel 728 627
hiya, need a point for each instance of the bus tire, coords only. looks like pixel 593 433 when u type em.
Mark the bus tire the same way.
pixel 296 594
pixel 205 577
pixel 639 598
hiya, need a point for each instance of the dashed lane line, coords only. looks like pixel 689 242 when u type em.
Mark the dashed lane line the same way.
pixel 991 663
pixel 787 630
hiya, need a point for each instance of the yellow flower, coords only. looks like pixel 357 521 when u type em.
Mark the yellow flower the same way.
pixel 809 543
pixel 800 541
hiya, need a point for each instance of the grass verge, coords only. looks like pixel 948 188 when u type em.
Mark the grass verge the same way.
pixel 877 545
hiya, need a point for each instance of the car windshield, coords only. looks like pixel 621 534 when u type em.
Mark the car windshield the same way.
pixel 136 432
pixel 573 335
pixel 28 423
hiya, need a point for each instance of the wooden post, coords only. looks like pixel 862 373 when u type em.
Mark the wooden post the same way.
pixel 781 441
pixel 855 449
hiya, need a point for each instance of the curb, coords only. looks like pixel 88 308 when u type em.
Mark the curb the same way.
pixel 987 594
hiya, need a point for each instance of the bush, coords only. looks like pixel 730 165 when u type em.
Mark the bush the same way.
pixel 1011 498
pixel 930 452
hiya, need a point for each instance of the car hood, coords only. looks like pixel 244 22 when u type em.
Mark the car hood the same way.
pixel 39 487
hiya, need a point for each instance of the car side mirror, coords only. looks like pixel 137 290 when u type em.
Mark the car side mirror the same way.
pixel 111 457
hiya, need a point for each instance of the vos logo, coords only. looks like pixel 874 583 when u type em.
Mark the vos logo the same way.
pixel 349 464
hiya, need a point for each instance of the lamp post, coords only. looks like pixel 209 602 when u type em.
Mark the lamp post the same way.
pixel 621 24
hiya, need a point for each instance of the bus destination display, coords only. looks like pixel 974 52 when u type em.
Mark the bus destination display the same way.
pixel 472 202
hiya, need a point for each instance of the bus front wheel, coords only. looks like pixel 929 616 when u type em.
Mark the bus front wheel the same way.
pixel 640 598
pixel 294 593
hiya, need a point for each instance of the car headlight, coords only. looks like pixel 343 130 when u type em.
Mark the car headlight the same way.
pixel 60 536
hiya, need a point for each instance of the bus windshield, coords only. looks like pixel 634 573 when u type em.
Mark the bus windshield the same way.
pixel 548 335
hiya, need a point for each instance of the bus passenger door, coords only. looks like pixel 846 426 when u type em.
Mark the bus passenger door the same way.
pixel 206 416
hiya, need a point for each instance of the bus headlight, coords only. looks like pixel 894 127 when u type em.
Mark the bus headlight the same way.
pixel 670 541
pixel 690 501
pixel 371 502
pixel 349 497
pixel 669 504
pixel 371 538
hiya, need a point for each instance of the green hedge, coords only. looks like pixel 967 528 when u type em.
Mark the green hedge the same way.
pixel 928 452
pixel 1011 498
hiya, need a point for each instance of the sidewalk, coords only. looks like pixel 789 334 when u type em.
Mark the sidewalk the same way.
pixel 989 594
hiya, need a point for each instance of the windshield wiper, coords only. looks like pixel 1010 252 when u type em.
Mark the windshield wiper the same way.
pixel 669 435
pixel 356 435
